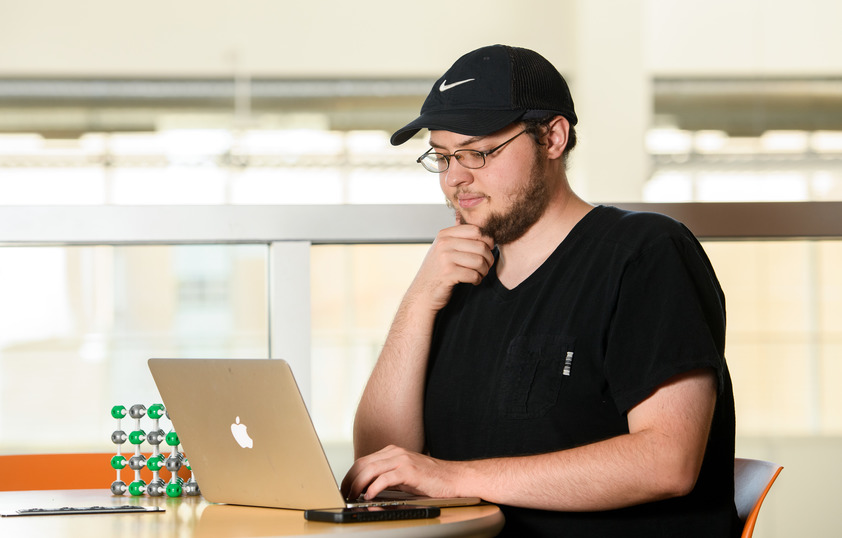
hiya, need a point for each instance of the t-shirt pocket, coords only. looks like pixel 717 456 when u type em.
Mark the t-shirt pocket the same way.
pixel 532 375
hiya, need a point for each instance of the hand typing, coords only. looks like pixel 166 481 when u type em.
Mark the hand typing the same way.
pixel 396 468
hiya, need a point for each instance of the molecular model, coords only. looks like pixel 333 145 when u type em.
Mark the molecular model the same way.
pixel 157 486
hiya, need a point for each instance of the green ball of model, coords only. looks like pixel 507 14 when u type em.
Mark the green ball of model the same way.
pixel 155 463
pixel 137 488
pixel 174 489
pixel 156 411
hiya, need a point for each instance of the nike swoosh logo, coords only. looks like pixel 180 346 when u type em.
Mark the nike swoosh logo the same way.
pixel 445 86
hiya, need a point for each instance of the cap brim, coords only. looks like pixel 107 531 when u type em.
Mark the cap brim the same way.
pixel 466 122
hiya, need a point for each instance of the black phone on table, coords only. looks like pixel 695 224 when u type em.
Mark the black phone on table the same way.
pixel 372 513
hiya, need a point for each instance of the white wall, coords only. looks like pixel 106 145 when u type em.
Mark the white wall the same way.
pixel 382 37
pixel 744 37
pixel 612 93
pixel 266 37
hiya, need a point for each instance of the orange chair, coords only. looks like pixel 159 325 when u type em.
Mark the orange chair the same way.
pixel 66 471
pixel 752 481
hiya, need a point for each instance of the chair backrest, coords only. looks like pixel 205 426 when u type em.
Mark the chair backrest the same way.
pixel 752 481
pixel 65 471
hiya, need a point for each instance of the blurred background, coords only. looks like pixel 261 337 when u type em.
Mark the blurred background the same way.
pixel 188 119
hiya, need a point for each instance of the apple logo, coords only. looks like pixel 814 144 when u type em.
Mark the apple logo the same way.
pixel 240 435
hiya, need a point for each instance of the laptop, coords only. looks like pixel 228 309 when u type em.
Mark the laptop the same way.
pixel 249 438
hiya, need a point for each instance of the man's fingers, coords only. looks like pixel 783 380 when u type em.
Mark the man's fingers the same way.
pixel 376 472
pixel 396 468
pixel 387 480
pixel 466 247
pixel 459 254
pixel 468 231
pixel 364 471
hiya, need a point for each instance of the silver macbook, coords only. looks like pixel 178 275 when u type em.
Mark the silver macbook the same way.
pixel 249 438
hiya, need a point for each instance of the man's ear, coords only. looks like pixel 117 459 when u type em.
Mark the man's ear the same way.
pixel 557 132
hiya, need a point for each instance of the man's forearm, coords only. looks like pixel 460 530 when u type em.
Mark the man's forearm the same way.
pixel 391 408
pixel 612 474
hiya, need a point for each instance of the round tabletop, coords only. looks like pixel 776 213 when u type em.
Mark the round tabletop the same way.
pixel 195 517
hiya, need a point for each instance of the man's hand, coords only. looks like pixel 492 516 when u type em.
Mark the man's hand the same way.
pixel 396 468
pixel 458 254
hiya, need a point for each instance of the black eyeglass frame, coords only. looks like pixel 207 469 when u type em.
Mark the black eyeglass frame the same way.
pixel 421 160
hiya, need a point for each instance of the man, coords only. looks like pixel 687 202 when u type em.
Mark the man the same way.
pixel 563 361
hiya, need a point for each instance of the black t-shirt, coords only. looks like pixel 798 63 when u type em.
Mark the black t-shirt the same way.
pixel 625 302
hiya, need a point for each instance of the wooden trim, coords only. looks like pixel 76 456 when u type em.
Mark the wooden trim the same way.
pixel 753 220
pixel 350 224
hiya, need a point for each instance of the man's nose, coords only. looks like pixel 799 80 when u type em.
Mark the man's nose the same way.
pixel 457 174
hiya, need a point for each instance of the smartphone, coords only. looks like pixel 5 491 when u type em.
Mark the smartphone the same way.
pixel 372 513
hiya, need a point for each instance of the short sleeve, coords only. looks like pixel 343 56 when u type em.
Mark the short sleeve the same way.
pixel 669 318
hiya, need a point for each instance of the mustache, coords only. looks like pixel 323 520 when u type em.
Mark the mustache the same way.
pixel 456 213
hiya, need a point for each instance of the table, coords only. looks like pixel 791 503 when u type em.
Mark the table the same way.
pixel 195 517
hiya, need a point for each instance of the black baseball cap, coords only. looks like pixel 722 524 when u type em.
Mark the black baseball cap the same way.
pixel 490 88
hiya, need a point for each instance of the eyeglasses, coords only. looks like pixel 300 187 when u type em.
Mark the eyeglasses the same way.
pixel 437 163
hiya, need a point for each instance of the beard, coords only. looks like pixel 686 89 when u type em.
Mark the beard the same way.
pixel 528 204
